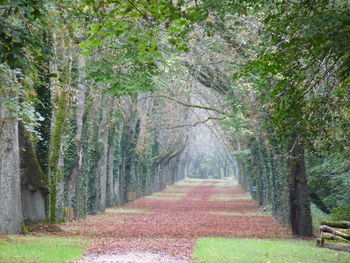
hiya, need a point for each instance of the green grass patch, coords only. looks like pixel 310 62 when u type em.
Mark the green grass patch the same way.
pixel 226 183
pixel 165 197
pixel 197 180
pixel 30 249
pixel 170 194
pixel 191 183
pixel 127 211
pixel 228 197
pixel 225 250
pixel 228 213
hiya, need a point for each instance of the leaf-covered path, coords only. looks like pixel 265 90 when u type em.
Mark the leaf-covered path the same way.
pixel 166 225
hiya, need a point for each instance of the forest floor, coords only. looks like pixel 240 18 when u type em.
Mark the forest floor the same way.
pixel 164 226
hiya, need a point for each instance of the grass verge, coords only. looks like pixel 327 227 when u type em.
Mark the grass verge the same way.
pixel 229 197
pixel 30 249
pixel 226 183
pixel 164 197
pixel 227 213
pixel 225 250
pixel 127 211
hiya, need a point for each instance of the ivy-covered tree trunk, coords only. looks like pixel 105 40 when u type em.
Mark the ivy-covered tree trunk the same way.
pixel 10 187
pixel 77 171
pixel 300 213
pixel 112 183
pixel 60 69
pixel 130 135
pixel 102 137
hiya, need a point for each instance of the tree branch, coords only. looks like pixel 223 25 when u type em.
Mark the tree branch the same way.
pixel 190 105
pixel 194 124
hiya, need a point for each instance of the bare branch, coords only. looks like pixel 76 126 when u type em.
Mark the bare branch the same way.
pixel 190 105
pixel 194 124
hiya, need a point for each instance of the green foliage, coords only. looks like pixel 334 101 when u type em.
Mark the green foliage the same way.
pixel 342 212
pixel 139 23
pixel 22 102
pixel 233 7
pixel 130 36
pixel 302 67
pixel 211 250
pixel 329 178
pixel 18 44
pixel 123 73
pixel 317 217
pixel 23 50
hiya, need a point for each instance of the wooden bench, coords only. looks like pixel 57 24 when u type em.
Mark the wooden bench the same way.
pixel 337 232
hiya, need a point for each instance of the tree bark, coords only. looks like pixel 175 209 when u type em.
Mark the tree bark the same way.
pixel 111 193
pixel 33 189
pixel 300 213
pixel 10 187
pixel 77 169
pixel 102 138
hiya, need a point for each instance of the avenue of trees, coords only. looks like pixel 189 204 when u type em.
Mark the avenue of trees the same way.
pixel 105 101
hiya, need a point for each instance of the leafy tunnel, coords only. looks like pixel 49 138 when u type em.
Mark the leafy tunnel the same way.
pixel 103 102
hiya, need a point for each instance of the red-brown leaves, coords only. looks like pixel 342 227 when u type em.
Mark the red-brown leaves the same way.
pixel 208 208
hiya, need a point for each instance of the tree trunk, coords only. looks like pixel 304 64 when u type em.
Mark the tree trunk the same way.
pixel 111 192
pixel 10 187
pixel 300 213
pixel 77 169
pixel 33 188
pixel 102 138
pixel 225 169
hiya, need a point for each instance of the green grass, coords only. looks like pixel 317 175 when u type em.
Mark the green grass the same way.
pixel 226 183
pixel 227 213
pixel 170 194
pixel 30 249
pixel 225 250
pixel 228 197
pixel 127 211
pixel 197 180
pixel 164 198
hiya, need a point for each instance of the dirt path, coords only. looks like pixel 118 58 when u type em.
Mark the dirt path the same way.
pixel 163 227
